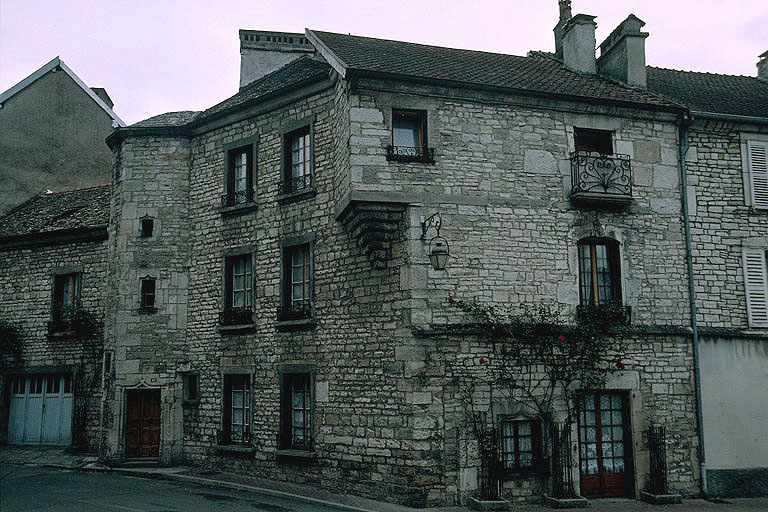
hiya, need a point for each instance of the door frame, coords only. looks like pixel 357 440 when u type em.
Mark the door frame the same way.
pixel 628 437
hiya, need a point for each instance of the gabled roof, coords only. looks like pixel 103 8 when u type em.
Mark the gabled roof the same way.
pixel 708 92
pixel 57 63
pixel 297 73
pixel 535 74
pixel 49 212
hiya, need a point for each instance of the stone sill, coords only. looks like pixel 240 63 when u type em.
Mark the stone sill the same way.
pixel 235 329
pixel 296 454
pixel 600 199
pixel 295 325
pixel 63 334
pixel 238 209
pixel 291 197
pixel 147 311
pixel 235 448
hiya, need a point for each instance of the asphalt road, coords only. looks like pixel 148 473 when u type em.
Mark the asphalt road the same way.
pixel 26 489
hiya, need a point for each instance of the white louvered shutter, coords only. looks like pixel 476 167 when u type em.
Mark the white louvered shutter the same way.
pixel 756 285
pixel 757 154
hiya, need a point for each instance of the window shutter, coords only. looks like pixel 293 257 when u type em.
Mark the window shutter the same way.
pixel 757 155
pixel 756 286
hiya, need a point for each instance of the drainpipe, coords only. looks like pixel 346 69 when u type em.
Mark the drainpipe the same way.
pixel 684 122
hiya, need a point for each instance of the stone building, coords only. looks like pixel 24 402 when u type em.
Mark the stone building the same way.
pixel 53 105
pixel 272 309
pixel 53 252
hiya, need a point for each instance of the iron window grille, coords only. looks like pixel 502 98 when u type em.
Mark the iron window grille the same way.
pixel 600 174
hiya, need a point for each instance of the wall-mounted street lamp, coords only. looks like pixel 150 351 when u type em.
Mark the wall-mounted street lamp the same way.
pixel 438 246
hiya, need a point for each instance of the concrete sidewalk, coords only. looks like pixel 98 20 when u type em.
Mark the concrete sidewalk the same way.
pixel 58 458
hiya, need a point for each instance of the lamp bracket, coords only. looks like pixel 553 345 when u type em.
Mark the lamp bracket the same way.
pixel 433 221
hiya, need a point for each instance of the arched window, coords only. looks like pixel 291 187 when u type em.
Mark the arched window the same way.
pixel 599 271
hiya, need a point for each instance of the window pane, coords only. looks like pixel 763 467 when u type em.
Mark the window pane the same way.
pixel 616 417
pixel 616 402
pixel 526 460
pixel 605 402
pixel 298 418
pixel 590 418
pixel 607 450
pixel 237 398
pixel 405 132
pixel 525 444
pixel 524 428
pixel 608 465
pixel 618 433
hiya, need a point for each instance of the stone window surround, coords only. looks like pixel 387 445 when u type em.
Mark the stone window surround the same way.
pixel 251 142
pixel 285 370
pixel 744 138
pixel 285 149
pixel 613 249
pixel 592 122
pixel 607 232
pixel 285 245
pixel 226 254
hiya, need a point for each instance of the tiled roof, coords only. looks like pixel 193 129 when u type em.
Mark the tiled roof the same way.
pixel 55 211
pixel 708 92
pixel 167 119
pixel 537 73
pixel 302 70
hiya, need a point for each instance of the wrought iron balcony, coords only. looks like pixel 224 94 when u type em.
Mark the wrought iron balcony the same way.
pixel 235 198
pixel 229 437
pixel 411 154
pixel 598 178
pixel 294 312
pixel 297 184
pixel 236 316
pixel 609 314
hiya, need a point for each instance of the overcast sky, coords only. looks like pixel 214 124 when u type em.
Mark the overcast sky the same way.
pixel 155 56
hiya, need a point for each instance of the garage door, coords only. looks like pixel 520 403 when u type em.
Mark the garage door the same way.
pixel 40 409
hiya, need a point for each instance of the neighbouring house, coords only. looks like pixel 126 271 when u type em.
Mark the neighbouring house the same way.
pixel 55 106
pixel 269 306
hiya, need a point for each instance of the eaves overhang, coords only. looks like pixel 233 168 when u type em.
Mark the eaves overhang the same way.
pixel 95 233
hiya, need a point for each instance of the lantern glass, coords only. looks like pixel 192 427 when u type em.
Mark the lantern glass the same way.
pixel 439 256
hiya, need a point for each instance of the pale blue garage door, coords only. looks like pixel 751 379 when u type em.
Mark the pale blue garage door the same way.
pixel 40 409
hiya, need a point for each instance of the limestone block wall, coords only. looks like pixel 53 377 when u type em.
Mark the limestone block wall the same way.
pixel 151 181
pixel 26 302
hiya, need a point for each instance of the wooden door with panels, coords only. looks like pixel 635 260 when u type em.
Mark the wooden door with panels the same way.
pixel 142 424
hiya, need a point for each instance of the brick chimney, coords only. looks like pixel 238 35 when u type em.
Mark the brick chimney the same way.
pixel 262 52
pixel 762 67
pixel 565 15
pixel 622 54
pixel 579 44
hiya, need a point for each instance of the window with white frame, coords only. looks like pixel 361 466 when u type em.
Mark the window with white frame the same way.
pixel 756 285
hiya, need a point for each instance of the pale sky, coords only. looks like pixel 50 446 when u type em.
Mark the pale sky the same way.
pixel 155 56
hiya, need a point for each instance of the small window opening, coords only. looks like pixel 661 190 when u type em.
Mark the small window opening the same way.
pixel 597 141
pixel 147 227
pixel 192 387
pixel 147 304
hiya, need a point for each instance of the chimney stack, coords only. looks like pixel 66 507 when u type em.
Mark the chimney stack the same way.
pixel 579 44
pixel 762 67
pixel 622 54
pixel 262 52
pixel 565 15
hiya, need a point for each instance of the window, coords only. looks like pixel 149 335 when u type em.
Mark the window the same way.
pixel 237 291
pixel 147 295
pixel 298 160
pixel 756 285
pixel 757 164
pixel 409 137
pixel 237 410
pixel 297 283
pixel 66 299
pixel 147 227
pixel 520 445
pixel 191 387
pixel 596 141
pixel 599 271
pixel 296 412
pixel 239 189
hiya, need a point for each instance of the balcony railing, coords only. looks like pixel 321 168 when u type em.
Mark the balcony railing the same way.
pixel 296 184
pixel 411 154
pixel 294 312
pixel 601 178
pixel 237 197
pixel 608 314
pixel 229 437
pixel 236 316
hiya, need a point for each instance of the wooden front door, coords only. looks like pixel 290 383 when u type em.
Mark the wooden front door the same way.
pixel 142 424
pixel 605 445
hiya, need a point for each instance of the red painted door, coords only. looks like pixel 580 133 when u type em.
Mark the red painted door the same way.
pixel 142 424
pixel 605 446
